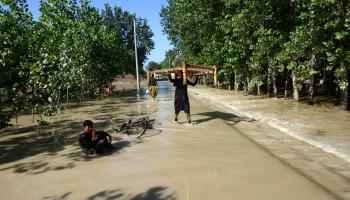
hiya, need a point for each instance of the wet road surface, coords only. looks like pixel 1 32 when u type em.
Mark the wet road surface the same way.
pixel 212 158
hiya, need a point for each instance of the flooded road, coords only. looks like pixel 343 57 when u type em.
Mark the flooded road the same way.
pixel 221 155
pixel 323 126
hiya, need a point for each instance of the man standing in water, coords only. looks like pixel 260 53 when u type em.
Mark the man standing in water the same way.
pixel 181 97
pixel 152 85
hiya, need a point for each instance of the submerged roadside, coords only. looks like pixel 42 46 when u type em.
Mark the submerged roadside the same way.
pixel 314 141
pixel 326 128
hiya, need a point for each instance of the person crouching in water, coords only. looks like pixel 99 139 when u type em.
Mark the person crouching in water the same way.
pixel 152 85
pixel 181 97
pixel 94 141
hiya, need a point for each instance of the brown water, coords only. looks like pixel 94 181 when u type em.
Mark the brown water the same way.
pixel 218 156
pixel 325 127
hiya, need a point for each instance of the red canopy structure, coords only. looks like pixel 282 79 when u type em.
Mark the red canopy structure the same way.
pixel 186 69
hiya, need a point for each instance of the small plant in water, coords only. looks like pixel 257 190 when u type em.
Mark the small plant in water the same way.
pixel 43 123
pixel 320 132
pixel 4 121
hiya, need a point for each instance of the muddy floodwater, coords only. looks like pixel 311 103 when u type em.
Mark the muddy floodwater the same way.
pixel 229 151
pixel 324 126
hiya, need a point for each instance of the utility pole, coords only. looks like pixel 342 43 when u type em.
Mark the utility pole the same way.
pixel 137 63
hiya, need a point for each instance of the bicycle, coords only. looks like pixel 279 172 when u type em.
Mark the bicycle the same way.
pixel 136 127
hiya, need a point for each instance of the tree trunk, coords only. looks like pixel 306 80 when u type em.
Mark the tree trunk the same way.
pixel 102 92
pixel 33 115
pixel 269 77
pixel 58 102
pixel 81 93
pixel 67 94
pixel 310 99
pixel 295 88
pixel 274 85
pixel 246 82
pixel 259 91
pixel 344 89
pixel 286 88
pixel 229 84
pixel 16 120
pixel 236 83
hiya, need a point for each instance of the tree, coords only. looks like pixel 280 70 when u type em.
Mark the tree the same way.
pixel 15 41
pixel 266 43
pixel 172 59
pixel 153 65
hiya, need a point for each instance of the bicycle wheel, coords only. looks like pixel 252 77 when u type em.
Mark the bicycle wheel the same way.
pixel 124 127
pixel 150 123
pixel 137 128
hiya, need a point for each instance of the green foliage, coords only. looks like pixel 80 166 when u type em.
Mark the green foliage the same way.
pixel 261 40
pixel 43 123
pixel 15 41
pixel 172 59
pixel 153 65
pixel 72 46
pixel 4 120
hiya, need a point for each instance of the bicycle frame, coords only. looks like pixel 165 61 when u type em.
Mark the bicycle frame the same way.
pixel 136 127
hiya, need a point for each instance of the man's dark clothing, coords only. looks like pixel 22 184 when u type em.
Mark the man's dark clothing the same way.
pixel 181 97
pixel 152 82
pixel 99 146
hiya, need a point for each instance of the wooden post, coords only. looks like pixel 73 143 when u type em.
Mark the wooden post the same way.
pixel 16 120
pixel 215 77
pixel 33 114
pixel 148 75
pixel 184 73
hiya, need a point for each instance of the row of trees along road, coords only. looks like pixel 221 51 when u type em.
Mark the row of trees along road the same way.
pixel 298 46
pixel 71 47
